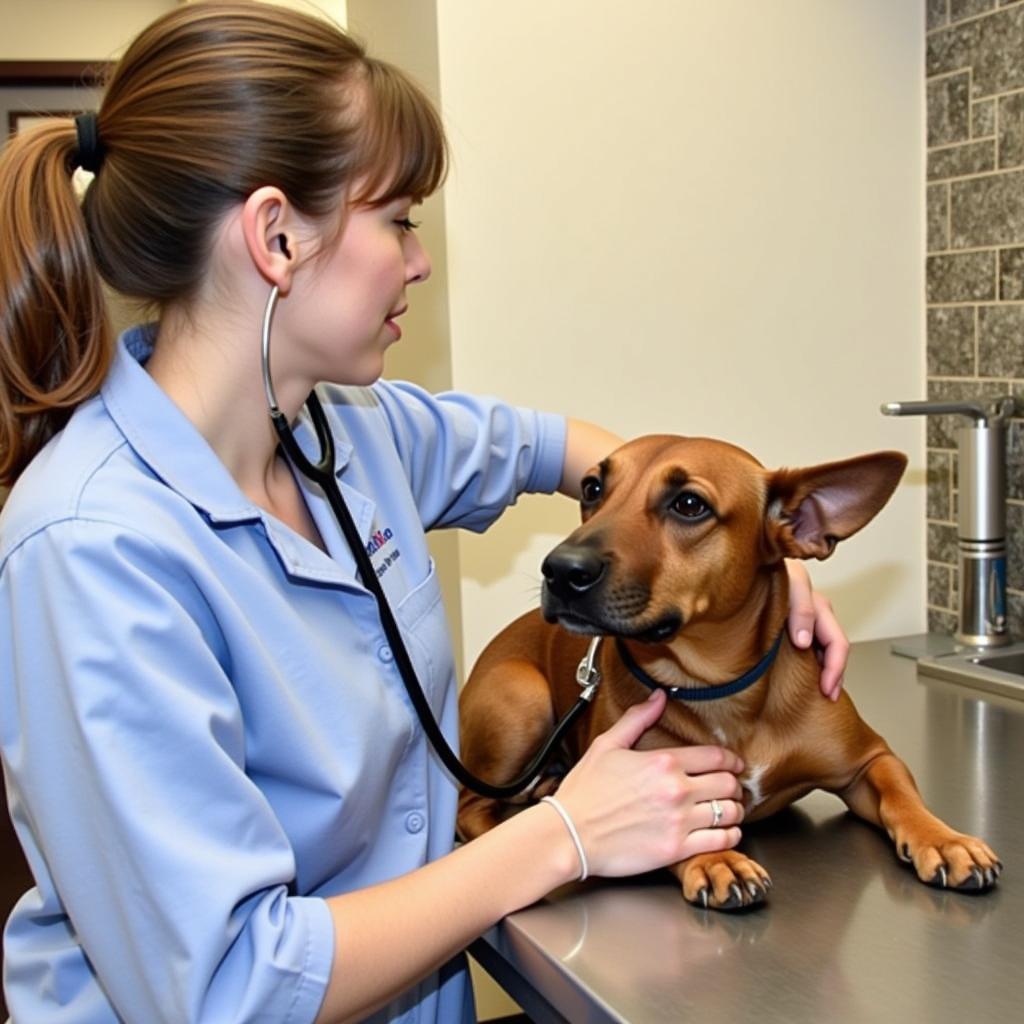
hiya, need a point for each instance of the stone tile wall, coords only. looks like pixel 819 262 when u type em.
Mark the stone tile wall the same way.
pixel 975 263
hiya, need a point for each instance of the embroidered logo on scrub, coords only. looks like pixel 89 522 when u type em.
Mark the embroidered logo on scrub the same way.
pixel 377 542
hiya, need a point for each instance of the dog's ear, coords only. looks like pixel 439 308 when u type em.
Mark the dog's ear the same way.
pixel 810 510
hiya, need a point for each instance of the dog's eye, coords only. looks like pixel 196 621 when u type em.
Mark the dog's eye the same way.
pixel 590 490
pixel 690 506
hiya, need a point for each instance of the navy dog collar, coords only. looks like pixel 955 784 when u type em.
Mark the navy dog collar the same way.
pixel 701 692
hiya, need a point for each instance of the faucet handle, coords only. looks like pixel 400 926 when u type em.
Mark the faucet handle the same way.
pixel 996 410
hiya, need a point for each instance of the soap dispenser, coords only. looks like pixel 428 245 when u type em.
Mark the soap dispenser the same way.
pixel 981 518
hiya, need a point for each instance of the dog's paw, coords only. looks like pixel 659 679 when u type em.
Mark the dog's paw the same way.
pixel 726 880
pixel 951 860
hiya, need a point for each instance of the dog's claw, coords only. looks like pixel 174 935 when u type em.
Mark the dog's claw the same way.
pixel 735 898
pixel 971 882
pixel 741 894
pixel 978 881
pixel 940 878
pixel 904 854
pixel 758 893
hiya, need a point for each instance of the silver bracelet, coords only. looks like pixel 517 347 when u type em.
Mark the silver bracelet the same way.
pixel 577 842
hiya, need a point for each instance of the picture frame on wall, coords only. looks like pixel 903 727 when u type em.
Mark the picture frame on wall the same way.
pixel 32 92
pixel 21 120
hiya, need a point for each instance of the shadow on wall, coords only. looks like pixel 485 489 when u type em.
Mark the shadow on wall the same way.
pixel 537 523
pixel 866 594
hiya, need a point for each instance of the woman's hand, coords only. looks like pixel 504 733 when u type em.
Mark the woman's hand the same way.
pixel 811 619
pixel 640 810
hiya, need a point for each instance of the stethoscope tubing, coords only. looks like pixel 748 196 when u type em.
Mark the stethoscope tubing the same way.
pixel 322 473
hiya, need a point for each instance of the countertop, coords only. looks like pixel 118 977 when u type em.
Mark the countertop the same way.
pixel 848 934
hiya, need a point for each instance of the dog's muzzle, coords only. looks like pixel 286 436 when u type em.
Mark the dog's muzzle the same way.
pixel 581 596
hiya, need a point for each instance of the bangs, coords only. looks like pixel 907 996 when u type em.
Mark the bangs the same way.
pixel 404 152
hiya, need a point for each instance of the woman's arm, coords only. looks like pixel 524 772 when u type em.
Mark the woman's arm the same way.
pixel 388 937
pixel 586 444
pixel 634 811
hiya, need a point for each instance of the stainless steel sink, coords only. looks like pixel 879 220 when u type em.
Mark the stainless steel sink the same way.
pixel 993 670
pixel 1011 662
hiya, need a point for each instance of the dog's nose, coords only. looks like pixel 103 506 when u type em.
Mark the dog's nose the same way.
pixel 571 570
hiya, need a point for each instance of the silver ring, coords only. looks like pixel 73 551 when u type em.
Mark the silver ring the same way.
pixel 716 811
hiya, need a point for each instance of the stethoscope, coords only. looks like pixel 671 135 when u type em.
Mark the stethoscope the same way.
pixel 321 472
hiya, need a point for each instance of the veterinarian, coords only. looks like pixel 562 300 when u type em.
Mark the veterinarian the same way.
pixel 228 809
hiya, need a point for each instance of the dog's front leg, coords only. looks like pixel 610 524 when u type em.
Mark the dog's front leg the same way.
pixel 885 794
pixel 506 713
pixel 724 880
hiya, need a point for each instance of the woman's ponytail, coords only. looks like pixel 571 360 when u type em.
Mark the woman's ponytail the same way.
pixel 55 337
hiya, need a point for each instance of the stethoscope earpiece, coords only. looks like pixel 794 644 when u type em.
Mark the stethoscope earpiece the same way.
pixel 268 384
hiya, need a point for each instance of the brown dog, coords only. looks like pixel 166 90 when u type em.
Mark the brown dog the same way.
pixel 680 560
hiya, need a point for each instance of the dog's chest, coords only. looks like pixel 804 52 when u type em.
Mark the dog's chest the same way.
pixel 752 781
pixel 757 778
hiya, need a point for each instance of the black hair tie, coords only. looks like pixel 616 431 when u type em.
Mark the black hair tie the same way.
pixel 90 150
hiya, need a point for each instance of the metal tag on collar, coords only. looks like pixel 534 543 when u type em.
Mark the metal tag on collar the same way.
pixel 587 673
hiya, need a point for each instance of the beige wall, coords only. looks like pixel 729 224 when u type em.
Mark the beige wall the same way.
pixel 95 29
pixel 687 216
pixel 336 10
pixel 699 218
pixel 73 29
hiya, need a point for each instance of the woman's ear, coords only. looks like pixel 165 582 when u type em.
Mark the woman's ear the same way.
pixel 269 229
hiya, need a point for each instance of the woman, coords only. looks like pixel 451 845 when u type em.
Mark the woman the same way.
pixel 229 810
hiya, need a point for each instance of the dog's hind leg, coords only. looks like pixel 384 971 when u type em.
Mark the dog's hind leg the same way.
pixel 505 714
pixel 885 794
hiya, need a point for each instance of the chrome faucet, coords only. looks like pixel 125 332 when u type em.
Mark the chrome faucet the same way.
pixel 981 519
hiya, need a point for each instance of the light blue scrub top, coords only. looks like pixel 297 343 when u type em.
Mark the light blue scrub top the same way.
pixel 202 726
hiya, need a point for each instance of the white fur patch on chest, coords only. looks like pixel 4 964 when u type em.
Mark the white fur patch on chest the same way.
pixel 752 783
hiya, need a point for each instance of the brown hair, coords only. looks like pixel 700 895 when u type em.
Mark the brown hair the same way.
pixel 209 103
